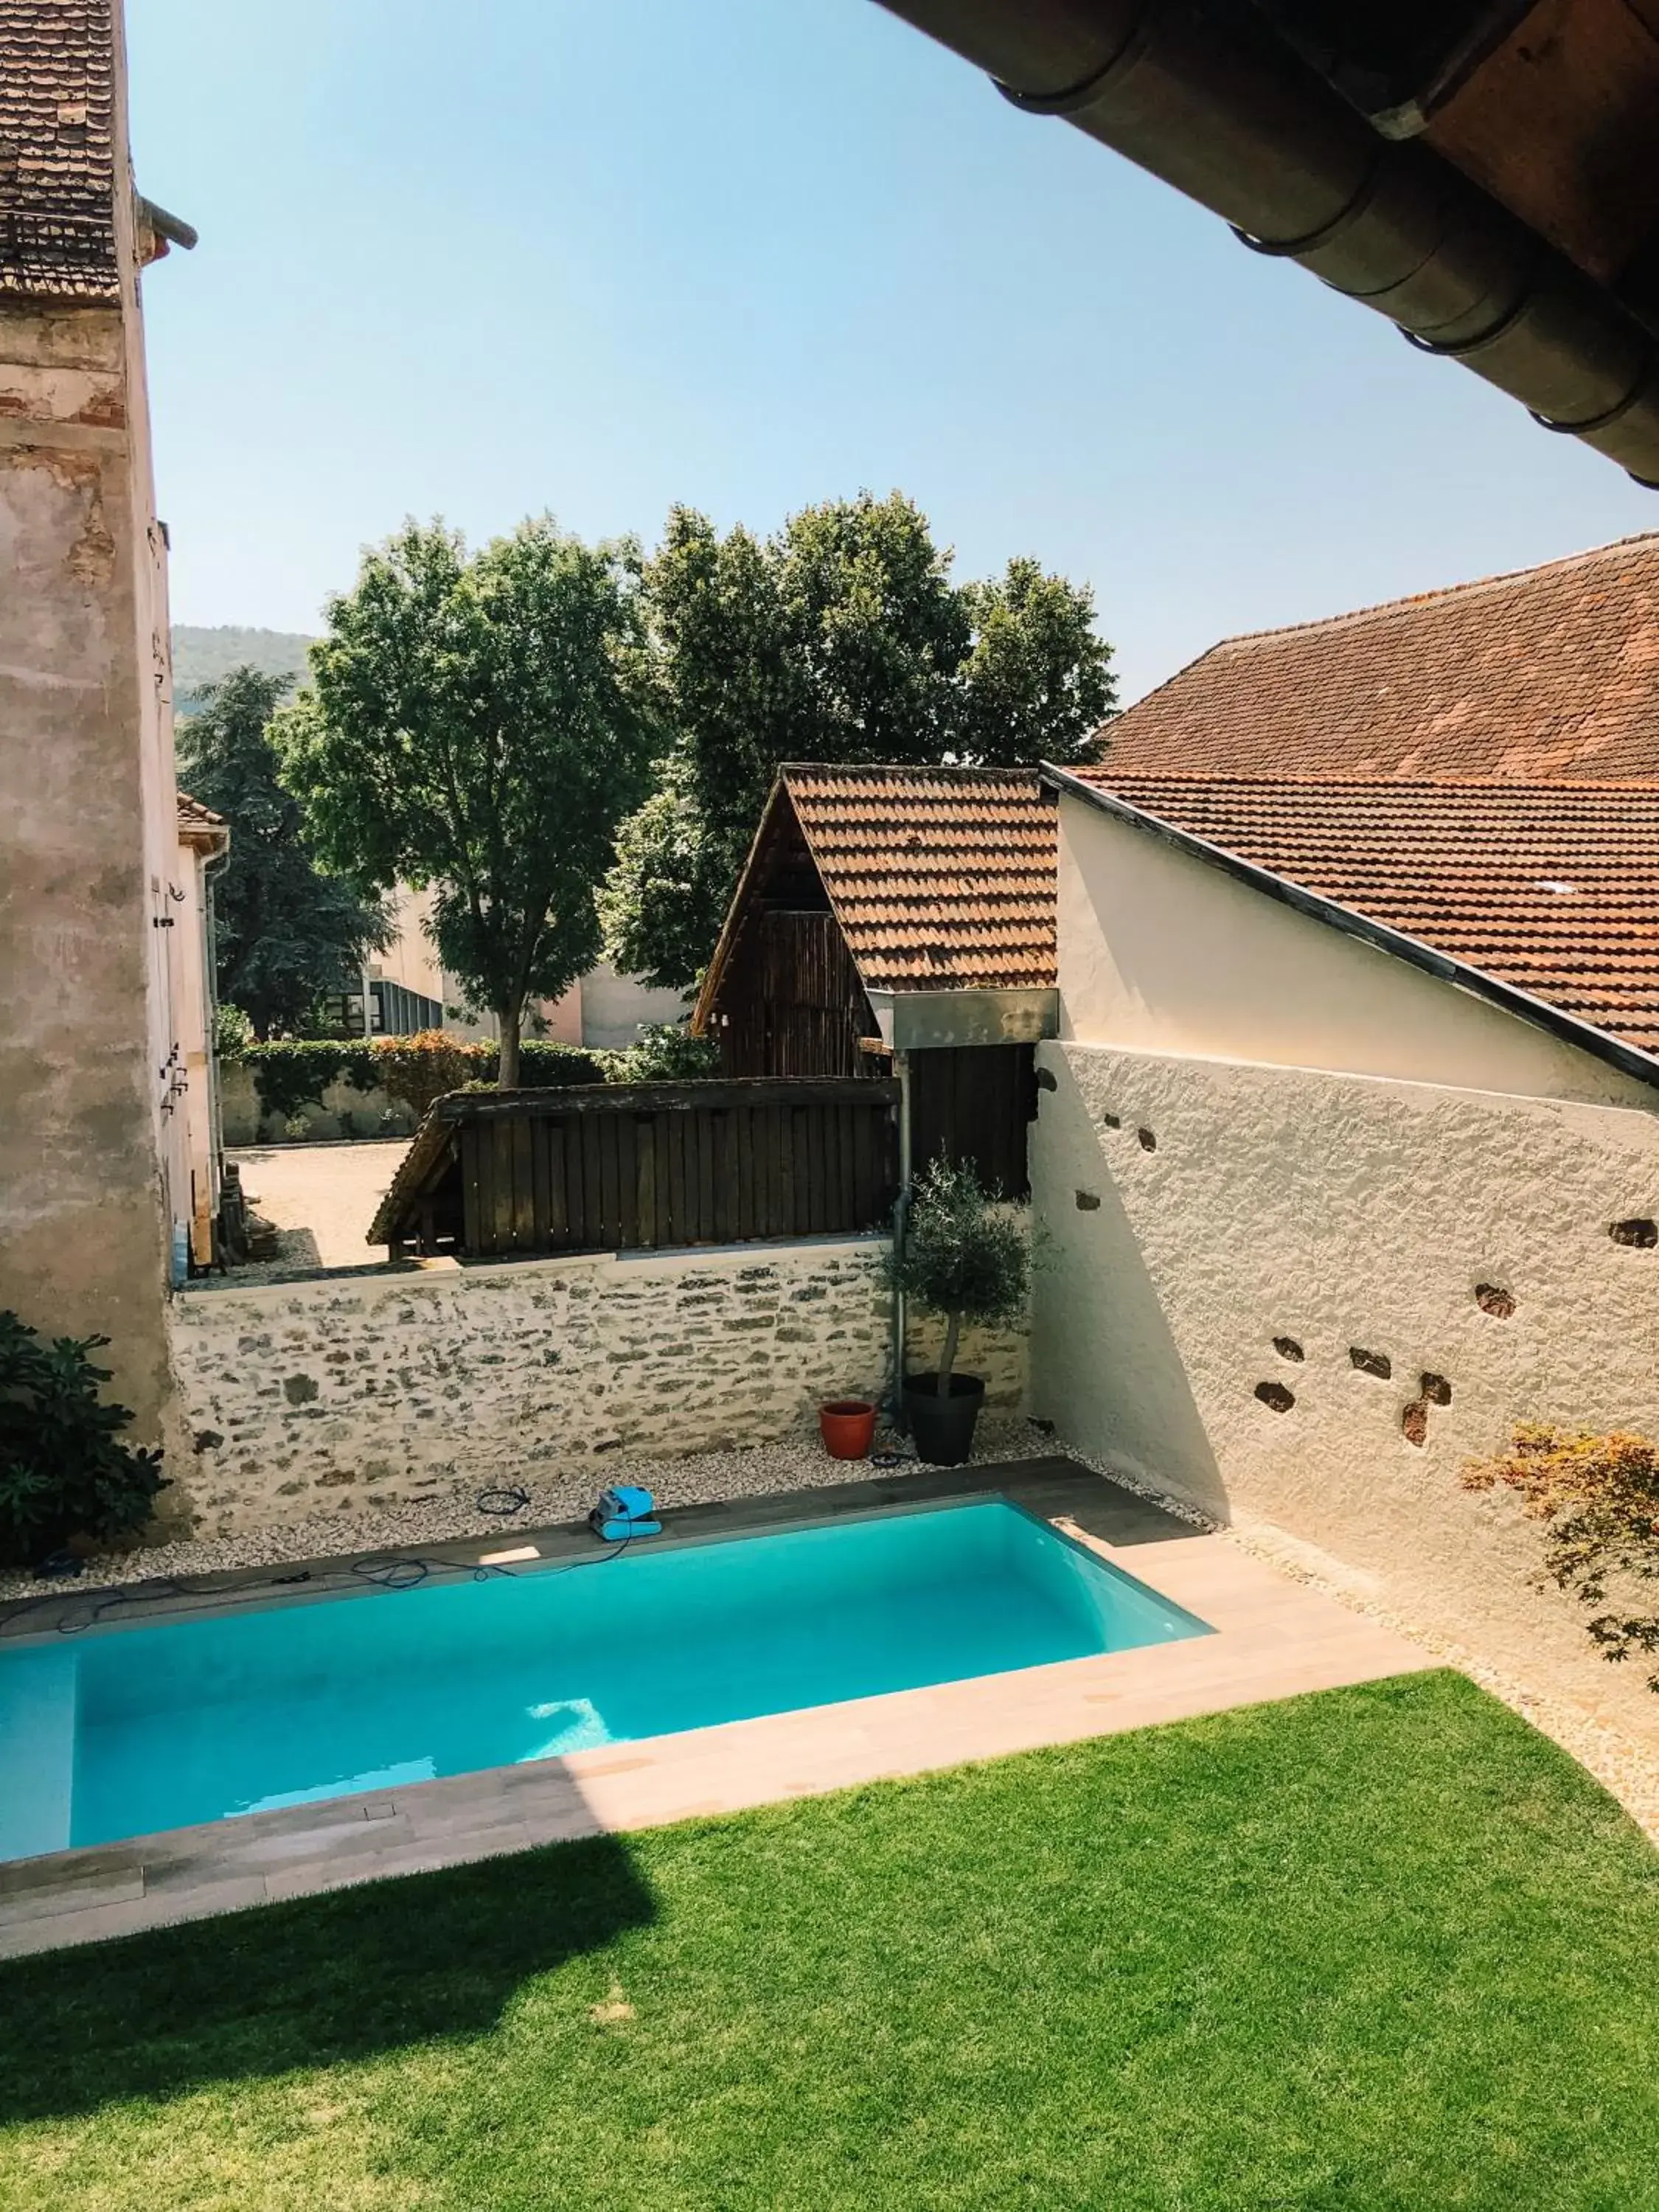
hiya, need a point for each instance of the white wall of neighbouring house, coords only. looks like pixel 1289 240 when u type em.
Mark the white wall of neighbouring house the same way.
pixel 1161 951
pixel 1260 1143
pixel 614 1007
pixel 412 957
pixel 603 1009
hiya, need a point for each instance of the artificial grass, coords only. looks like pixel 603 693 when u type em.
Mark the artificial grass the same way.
pixel 1383 1948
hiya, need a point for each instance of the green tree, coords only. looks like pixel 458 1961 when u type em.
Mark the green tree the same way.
pixel 671 874
pixel 481 723
pixel 285 930
pixel 841 638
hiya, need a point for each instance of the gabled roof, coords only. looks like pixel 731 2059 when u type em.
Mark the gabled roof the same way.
pixel 58 151
pixel 1547 676
pixel 940 878
pixel 1552 890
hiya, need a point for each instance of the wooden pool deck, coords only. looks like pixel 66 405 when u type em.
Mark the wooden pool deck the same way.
pixel 1275 1638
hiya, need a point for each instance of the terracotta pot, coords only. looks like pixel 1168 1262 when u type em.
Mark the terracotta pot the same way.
pixel 847 1427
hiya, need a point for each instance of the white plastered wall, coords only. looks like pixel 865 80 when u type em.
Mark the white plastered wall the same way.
pixel 1341 1207
pixel 1164 952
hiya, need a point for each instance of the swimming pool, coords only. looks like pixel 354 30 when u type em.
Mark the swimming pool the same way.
pixel 124 1731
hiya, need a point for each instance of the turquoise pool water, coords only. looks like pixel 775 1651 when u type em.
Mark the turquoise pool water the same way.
pixel 124 1731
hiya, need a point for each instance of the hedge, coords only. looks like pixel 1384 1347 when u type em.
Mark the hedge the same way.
pixel 416 1070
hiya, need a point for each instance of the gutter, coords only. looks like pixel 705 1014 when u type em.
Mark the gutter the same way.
pixel 1642 1066
pixel 1206 98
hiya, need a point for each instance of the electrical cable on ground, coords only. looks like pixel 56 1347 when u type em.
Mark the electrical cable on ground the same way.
pixel 400 1571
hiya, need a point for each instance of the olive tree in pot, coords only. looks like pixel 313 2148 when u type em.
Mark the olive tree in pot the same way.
pixel 966 1259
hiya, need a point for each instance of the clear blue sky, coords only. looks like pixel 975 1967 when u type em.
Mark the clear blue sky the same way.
pixel 482 257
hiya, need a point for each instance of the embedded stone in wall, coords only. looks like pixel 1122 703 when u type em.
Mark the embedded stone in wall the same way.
pixel 1088 1201
pixel 1275 1397
pixel 1288 1348
pixel 1494 1300
pixel 1639 1232
pixel 1371 1362
pixel 1415 1423
pixel 1435 1388
pixel 1147 1141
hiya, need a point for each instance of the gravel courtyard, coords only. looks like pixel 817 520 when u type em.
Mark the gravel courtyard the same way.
pixel 322 1197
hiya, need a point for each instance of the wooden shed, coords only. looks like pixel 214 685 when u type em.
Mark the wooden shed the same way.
pixel 903 912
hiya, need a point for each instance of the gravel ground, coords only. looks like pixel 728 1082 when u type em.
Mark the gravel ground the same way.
pixel 700 1479
pixel 1625 1770
pixel 320 1197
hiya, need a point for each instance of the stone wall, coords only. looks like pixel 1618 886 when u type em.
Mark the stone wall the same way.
pixel 366 1388
pixel 246 1120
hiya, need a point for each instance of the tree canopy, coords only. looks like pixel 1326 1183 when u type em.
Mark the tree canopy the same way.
pixel 841 638
pixel 285 930
pixel 482 723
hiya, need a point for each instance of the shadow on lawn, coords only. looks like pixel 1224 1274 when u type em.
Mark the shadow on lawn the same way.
pixel 343 1977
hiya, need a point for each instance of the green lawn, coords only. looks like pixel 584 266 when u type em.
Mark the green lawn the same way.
pixel 1383 1947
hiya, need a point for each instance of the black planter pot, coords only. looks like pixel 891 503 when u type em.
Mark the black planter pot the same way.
pixel 943 1427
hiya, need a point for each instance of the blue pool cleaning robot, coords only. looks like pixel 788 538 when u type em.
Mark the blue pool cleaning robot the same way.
pixel 624 1513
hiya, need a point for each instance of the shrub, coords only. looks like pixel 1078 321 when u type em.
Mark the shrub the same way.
pixel 416 1070
pixel 668 1052
pixel 232 1033
pixel 63 1473
pixel 294 1072
pixel 963 1257
pixel 546 1065
pixel 1598 1497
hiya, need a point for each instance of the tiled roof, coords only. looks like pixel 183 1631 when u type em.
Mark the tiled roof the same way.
pixel 192 815
pixel 58 151
pixel 1551 675
pixel 941 878
pixel 1553 889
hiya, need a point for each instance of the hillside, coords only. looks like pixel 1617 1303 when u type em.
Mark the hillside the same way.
pixel 203 656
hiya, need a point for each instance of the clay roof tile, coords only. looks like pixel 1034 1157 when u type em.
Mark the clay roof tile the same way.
pixel 58 151
pixel 941 878
pixel 1550 675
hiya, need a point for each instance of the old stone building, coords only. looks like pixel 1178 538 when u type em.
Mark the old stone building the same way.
pixel 94 1171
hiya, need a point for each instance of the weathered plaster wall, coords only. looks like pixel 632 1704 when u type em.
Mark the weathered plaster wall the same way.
pixel 83 975
pixel 353 1389
pixel 1344 1214
pixel 95 1160
pixel 1161 952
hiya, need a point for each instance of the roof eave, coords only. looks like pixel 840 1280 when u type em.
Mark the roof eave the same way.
pixel 1628 1058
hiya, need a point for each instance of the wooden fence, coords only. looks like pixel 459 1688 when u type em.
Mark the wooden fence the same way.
pixel 640 1166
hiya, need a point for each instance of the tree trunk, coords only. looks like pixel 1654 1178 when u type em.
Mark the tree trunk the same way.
pixel 948 1356
pixel 511 1022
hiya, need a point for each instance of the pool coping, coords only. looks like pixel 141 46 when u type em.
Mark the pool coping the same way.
pixel 1125 1519
pixel 1273 1637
